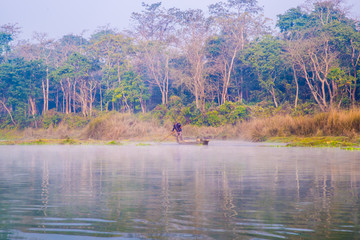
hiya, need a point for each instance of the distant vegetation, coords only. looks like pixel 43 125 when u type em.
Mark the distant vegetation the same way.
pixel 212 69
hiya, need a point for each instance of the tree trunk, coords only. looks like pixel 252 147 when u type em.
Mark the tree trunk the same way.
pixel 44 96
pixel 196 95
pixel 297 87
pixel 8 111
pixel 74 97
pixel 32 109
pixel 272 92
pixel 47 89
pixel 142 104
pixel 355 62
pixel 57 100
pixel 32 106
pixel 228 75
pixel 101 100
pixel 241 85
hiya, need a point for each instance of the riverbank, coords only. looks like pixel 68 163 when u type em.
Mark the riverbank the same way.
pixel 330 129
pixel 325 141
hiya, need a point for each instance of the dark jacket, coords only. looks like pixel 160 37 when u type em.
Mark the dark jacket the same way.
pixel 177 127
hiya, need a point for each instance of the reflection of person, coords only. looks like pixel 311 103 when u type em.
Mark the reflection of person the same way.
pixel 178 129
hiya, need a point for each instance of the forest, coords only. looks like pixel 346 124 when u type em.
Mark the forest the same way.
pixel 211 68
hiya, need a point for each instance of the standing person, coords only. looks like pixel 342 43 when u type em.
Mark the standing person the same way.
pixel 178 129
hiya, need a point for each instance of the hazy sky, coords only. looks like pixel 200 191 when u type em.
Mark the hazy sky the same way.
pixel 60 17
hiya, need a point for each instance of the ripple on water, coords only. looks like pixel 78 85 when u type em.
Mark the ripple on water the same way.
pixel 67 224
pixel 56 234
pixel 75 219
pixel 228 190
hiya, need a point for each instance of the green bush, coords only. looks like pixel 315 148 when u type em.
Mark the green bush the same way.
pixel 304 109
pixel 191 114
pixel 76 121
pixel 233 112
pixel 159 113
pixel 239 113
pixel 51 119
pixel 213 119
pixel 227 113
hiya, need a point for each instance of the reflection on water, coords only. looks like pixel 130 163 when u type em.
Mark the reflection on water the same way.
pixel 227 190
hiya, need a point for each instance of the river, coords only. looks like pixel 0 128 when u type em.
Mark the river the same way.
pixel 227 190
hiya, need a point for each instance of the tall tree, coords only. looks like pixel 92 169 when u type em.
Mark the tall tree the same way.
pixel 195 31
pixel 315 59
pixel 346 39
pixel 5 39
pixel 132 92
pixel 8 32
pixel 154 29
pixel 265 56
pixel 78 83
pixel 43 50
pixel 21 88
pixel 114 51
pixel 238 21
pixel 314 38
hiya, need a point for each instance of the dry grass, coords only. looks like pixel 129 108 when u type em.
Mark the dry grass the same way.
pixel 333 123
pixel 60 132
pixel 203 132
pixel 111 126
pixel 116 126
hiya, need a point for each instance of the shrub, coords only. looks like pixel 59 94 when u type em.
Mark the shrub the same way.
pixel 76 121
pixel 213 119
pixel 51 118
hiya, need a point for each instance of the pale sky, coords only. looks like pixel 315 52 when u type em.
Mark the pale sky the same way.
pixel 61 17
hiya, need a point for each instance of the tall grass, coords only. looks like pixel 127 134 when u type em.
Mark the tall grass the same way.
pixel 62 131
pixel 109 126
pixel 332 123
pixel 117 126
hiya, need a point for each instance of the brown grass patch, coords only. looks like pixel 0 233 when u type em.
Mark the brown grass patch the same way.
pixel 117 126
pixel 332 123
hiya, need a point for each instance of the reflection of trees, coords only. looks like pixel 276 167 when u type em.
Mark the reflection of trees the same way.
pixel 165 201
pixel 227 197
pixel 158 194
pixel 45 187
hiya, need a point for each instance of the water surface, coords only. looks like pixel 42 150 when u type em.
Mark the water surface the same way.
pixel 227 190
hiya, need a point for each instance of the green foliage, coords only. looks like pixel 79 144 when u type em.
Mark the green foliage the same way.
pixel 228 113
pixel 68 141
pixel 5 39
pixel 114 143
pixel 159 113
pixel 212 118
pixel 320 142
pixel 76 120
pixel 51 119
pixel 239 113
pixel 265 59
pixel 308 108
pixel 107 72
pixel 73 40
pixel 191 115
pixel 214 46
pixel 292 21
pixel 131 91
pixel 20 89
pixel 36 142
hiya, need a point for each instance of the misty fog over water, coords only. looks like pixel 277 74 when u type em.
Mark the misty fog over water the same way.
pixel 227 190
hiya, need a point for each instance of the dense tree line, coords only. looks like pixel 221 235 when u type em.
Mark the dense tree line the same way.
pixel 201 59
